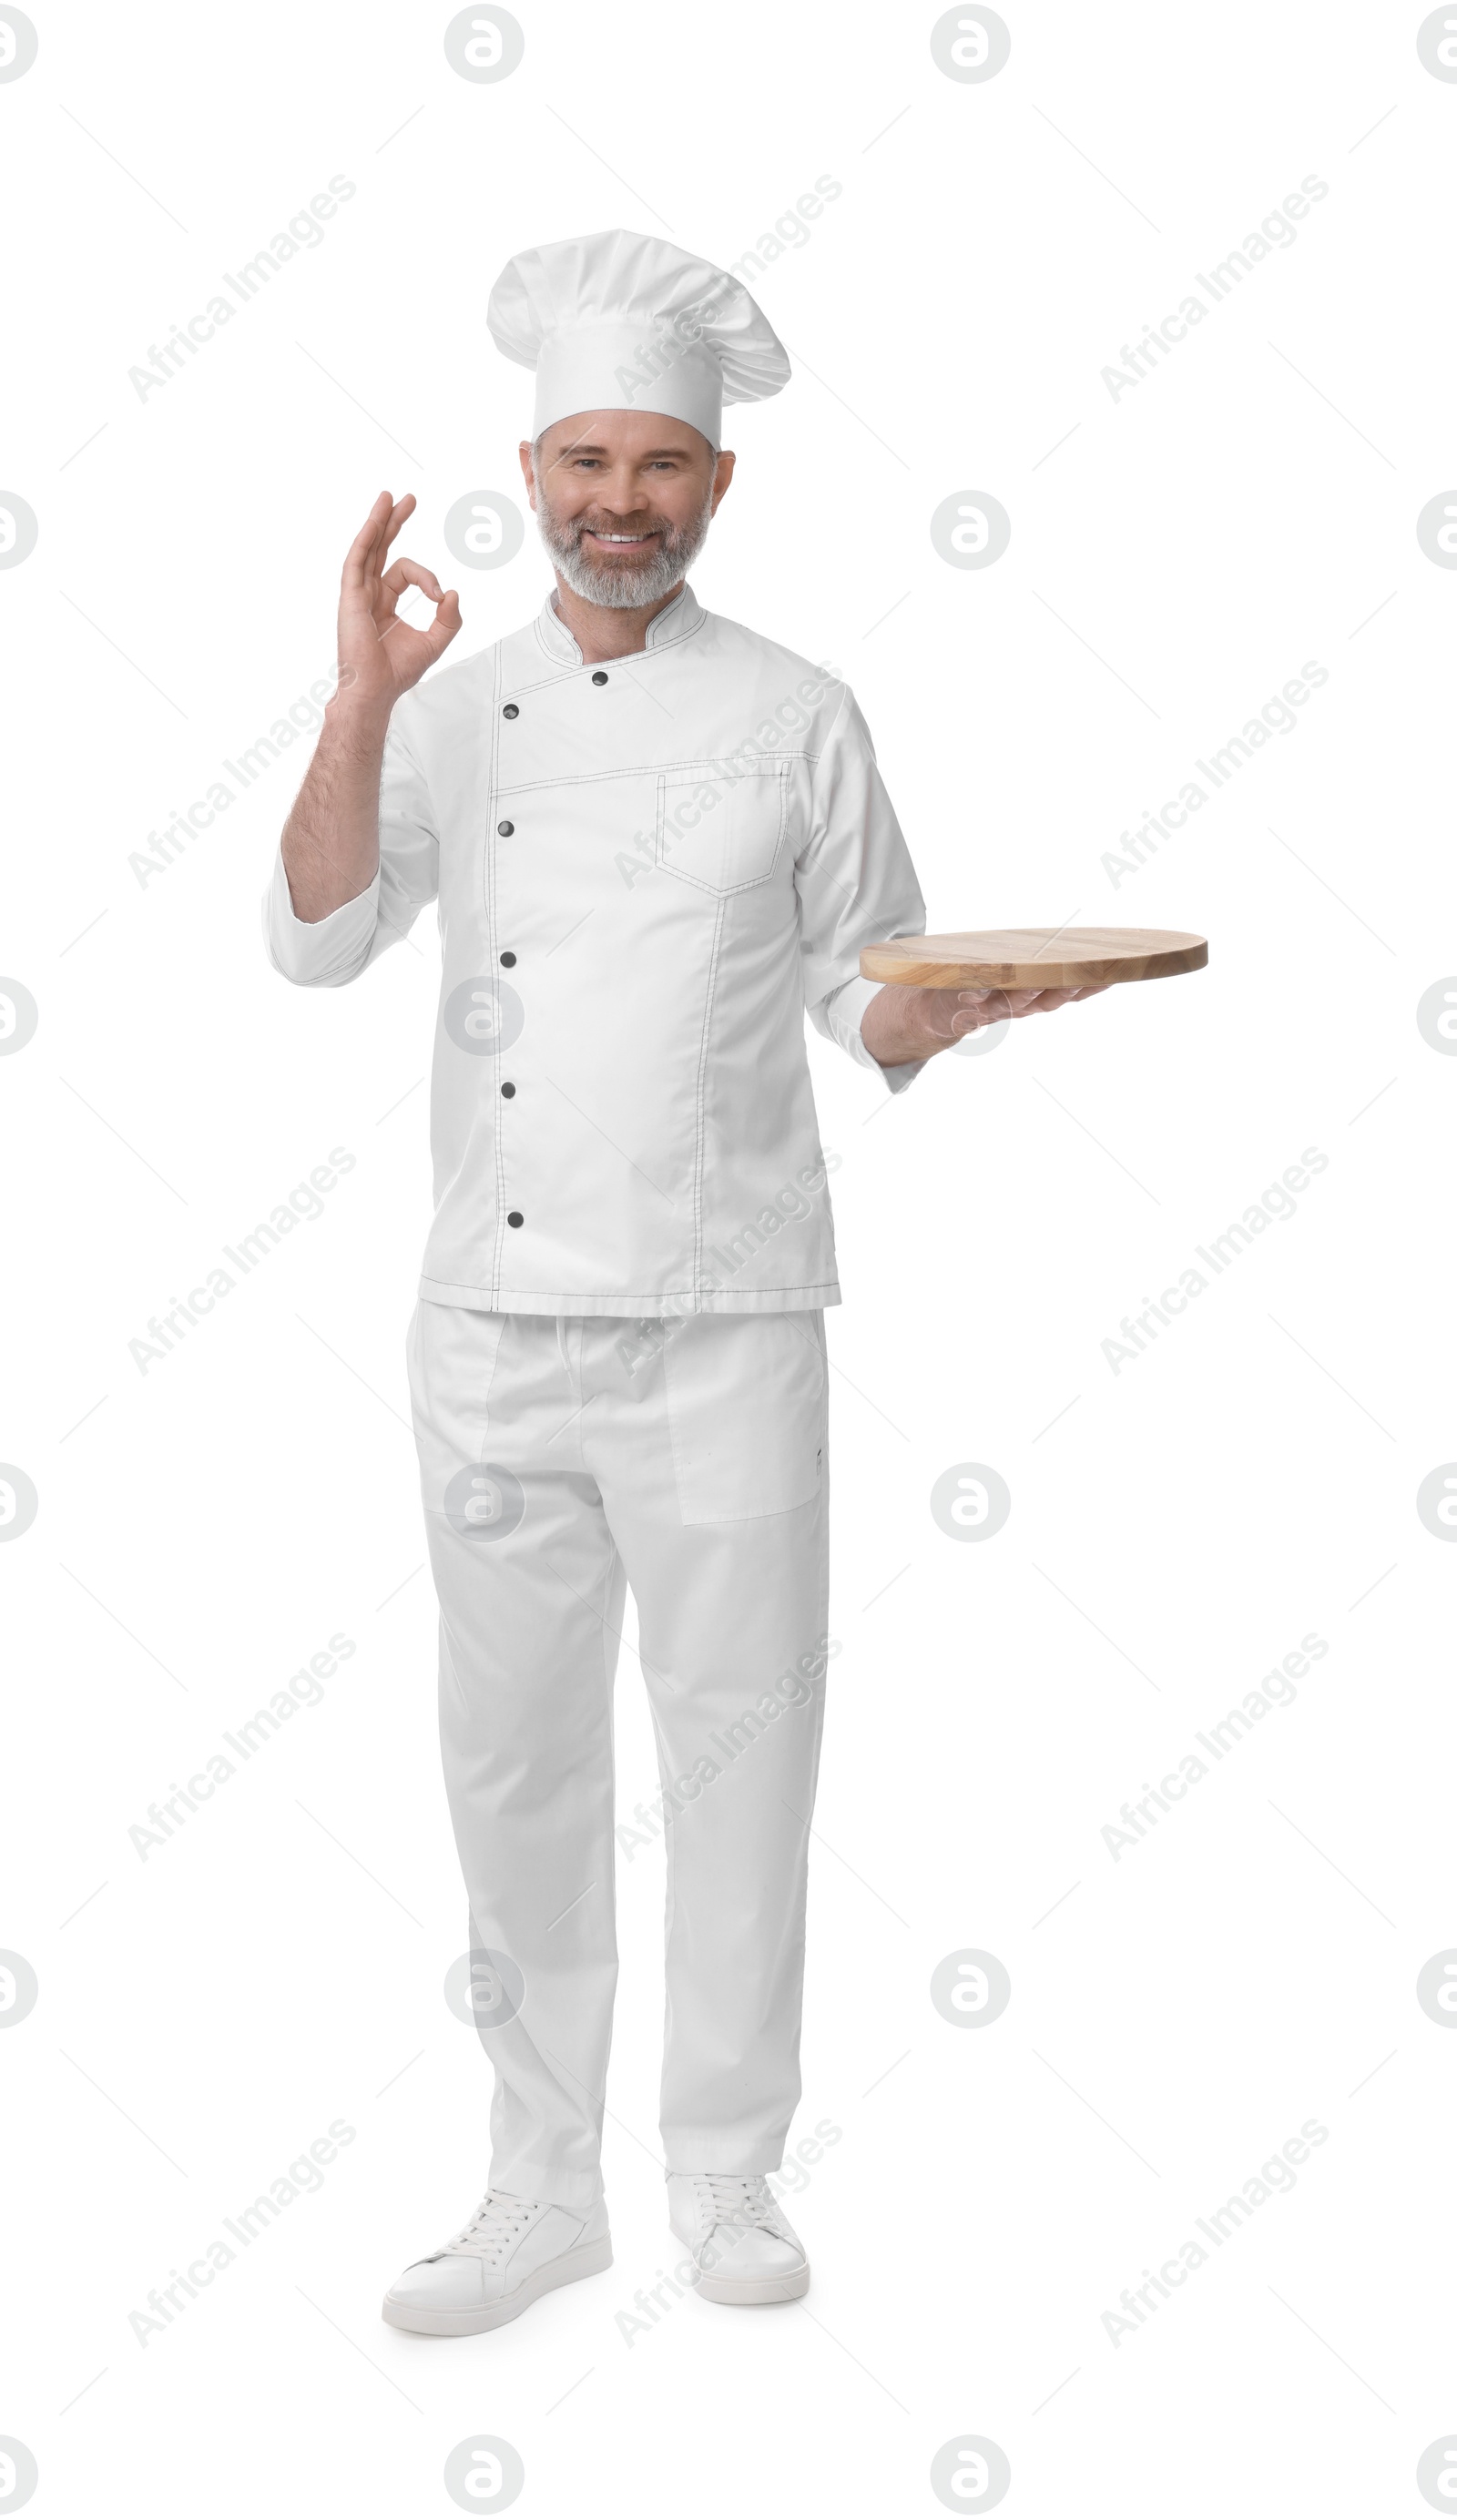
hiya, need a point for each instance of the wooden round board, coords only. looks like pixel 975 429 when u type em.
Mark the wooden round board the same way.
pixel 1034 957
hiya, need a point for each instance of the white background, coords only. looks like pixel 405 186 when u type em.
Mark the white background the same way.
pixel 1177 1526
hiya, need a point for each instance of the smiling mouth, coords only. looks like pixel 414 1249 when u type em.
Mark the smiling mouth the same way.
pixel 618 542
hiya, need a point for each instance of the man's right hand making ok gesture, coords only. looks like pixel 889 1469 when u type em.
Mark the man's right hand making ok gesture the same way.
pixel 380 657
pixel 331 842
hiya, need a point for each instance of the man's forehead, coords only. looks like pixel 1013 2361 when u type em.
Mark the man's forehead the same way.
pixel 642 434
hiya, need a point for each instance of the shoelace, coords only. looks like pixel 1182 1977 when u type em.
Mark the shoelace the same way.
pixel 497 2220
pixel 743 2202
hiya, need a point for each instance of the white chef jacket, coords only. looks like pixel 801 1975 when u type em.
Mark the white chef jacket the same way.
pixel 645 872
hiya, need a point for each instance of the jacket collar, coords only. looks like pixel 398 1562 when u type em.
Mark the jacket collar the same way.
pixel 676 620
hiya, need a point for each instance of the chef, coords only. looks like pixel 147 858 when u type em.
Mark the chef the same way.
pixel 654 840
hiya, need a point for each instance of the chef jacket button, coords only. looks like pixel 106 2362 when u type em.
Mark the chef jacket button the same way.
pixel 505 829
pixel 511 710
pixel 516 1217
pixel 508 960
pixel 508 1091
pixel 598 678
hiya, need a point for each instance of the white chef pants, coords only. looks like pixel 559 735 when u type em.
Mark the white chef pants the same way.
pixel 562 1458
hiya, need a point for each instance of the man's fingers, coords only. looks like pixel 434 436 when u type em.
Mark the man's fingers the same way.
pixel 394 583
pixel 975 1007
pixel 1046 999
pixel 436 637
pixel 361 549
pixel 408 572
pixel 365 557
pixel 445 626
pixel 402 508
pixel 940 1016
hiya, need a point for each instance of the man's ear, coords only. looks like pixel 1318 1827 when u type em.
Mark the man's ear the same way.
pixel 528 475
pixel 723 474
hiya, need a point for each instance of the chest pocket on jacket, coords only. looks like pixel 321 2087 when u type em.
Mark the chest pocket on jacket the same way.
pixel 720 824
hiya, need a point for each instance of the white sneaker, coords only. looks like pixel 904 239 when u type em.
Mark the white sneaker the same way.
pixel 742 2245
pixel 512 2250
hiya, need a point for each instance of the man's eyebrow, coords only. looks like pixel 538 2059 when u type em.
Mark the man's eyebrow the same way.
pixel 585 446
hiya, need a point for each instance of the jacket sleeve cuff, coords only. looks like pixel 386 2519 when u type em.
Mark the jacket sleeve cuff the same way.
pixel 844 1010
pixel 325 952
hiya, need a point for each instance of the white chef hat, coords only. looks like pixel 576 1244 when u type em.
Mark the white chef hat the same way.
pixel 618 322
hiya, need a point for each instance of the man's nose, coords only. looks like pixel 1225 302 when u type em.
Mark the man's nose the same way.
pixel 621 492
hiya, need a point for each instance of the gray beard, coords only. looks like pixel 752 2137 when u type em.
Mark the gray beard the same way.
pixel 622 584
